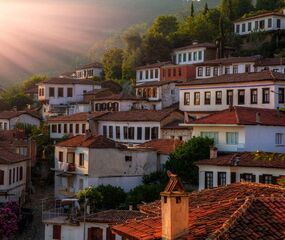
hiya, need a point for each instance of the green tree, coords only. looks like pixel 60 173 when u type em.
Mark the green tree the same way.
pixel 206 9
pixel 131 61
pixel 92 196
pixel 181 161
pixel 241 7
pixel 32 81
pixel 269 4
pixel 112 197
pixel 164 26
pixel 227 9
pixel 112 63
pixel 192 11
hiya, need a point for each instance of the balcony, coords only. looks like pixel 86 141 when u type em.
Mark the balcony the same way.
pixel 66 167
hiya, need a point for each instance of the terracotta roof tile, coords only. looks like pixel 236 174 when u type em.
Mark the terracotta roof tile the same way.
pixel 245 159
pixel 7 157
pixel 209 210
pixel 244 116
pixel 119 97
pixel 58 80
pixel 91 142
pixel 156 83
pixel 265 14
pixel 238 78
pixel 162 146
pixel 13 114
pixel 80 117
pixel 228 61
pixel 154 65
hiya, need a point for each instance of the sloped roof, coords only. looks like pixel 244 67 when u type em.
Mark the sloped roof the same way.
pixel 156 83
pixel 266 75
pixel 77 117
pixel 213 212
pixel 228 61
pixel 90 142
pixel 91 65
pixel 12 114
pixel 58 80
pixel 153 65
pixel 7 157
pixel 270 61
pixel 245 159
pixel 162 146
pixel 243 116
pixel 119 97
pixel 264 14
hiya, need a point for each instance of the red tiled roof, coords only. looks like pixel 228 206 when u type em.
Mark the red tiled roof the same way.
pixel 270 62
pixel 245 159
pixel 266 14
pixel 154 65
pixel 119 97
pixel 13 114
pixel 176 125
pixel 163 146
pixel 244 116
pixel 138 115
pixel 78 117
pixel 7 157
pixel 91 65
pixel 113 216
pixel 228 61
pixel 91 142
pixel 156 83
pixel 238 78
pixel 197 45
pixel 210 211
pixel 58 80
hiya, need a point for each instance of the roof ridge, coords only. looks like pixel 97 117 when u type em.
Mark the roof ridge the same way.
pixel 233 218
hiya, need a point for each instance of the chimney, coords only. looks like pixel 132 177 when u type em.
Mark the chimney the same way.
pixel 213 152
pixel 258 117
pixel 174 209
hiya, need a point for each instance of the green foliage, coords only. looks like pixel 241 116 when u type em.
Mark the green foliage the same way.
pixel 192 9
pixel 269 4
pixel 181 161
pixel 159 177
pixel 164 26
pixel 144 193
pixel 32 81
pixel 112 197
pixel 92 196
pixel 112 63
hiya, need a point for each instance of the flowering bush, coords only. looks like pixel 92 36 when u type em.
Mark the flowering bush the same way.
pixel 9 219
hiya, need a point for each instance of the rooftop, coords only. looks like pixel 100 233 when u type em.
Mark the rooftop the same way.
pixel 265 75
pixel 13 114
pixel 58 80
pixel 162 146
pixel 259 15
pixel 78 117
pixel 118 97
pixel 156 83
pixel 7 157
pixel 154 65
pixel 228 61
pixel 243 116
pixel 240 211
pixel 90 142
pixel 91 65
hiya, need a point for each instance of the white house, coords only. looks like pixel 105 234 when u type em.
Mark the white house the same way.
pixel 73 125
pixel 13 175
pixel 136 126
pixel 97 226
pixel 256 89
pixel 150 72
pixel 273 64
pixel 245 166
pixel 264 22
pixel 9 119
pixel 240 129
pixel 90 71
pixel 56 94
pixel 86 160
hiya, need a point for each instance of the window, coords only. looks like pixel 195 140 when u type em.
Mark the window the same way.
pixel 21 173
pixel 125 129
pixel 51 92
pixel 184 57
pixel 59 128
pixel 70 128
pixel 83 128
pixel 141 75
pixel 179 58
pixel 179 72
pixel 70 157
pixel 1 177
pixel 227 70
pixel 241 97
pixel 269 23
pixel 232 138
pixel 256 25
pixel 212 135
pixel 151 74
pixel 195 56
pixel 110 131
pixel 235 69
pixel 17 174
pixel 243 27
pixel 60 156
pixel 139 133
pixel 218 97
pixel 247 68
pixel 222 178
pixel 77 128
pixel 56 232
pixel 267 179
pixel 281 95
pixel 261 24
pixel 146 74
pixel 128 158
pixel 230 97
pixel 105 131
pixel 279 139
pixel 189 56
pixel 118 132
pixel 60 92
pixel 54 128
pixel 65 128
pixel 265 95
pixel 154 133
pixel 196 98
pixel 216 71
pixel 208 71
pixel 69 92
pixel 187 98
pixel 233 177
pixel 131 133
pixel 248 177
pixel 207 100
pixel 174 72
pixel 237 28
pixel 147 133
pixel 249 26
pixel 278 23
pixel 169 72
pixel 208 179
pixel 156 73
pixel 81 159
pixel 253 96
pixel 200 55
pixel 200 71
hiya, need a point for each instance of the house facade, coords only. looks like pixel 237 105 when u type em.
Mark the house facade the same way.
pixel 90 71
pixel 263 90
pixel 265 22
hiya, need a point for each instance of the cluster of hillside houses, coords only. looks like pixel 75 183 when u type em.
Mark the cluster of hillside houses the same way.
pixel 115 138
